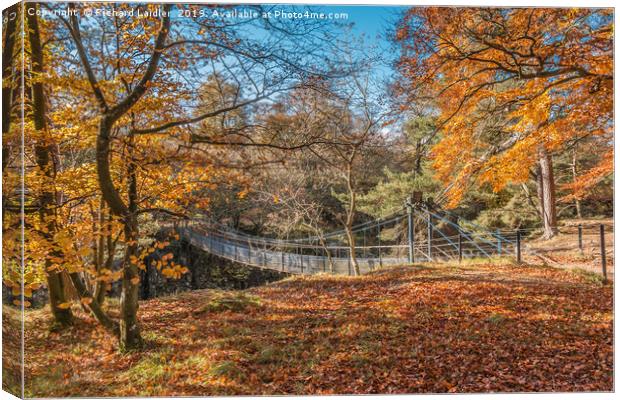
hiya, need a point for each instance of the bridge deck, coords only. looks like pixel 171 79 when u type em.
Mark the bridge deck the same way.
pixel 303 256
pixel 282 261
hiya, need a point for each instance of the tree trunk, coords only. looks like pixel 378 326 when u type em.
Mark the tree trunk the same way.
pixel 352 256
pixel 350 219
pixel 328 254
pixel 129 335
pixel 418 158
pixel 539 194
pixel 528 196
pixel 44 147
pixel 94 307
pixel 548 194
pixel 130 338
pixel 574 171
pixel 101 245
pixel 10 15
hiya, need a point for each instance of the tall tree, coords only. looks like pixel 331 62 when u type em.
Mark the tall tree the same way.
pixel 10 17
pixel 474 64
pixel 136 147
pixel 110 113
pixel 45 152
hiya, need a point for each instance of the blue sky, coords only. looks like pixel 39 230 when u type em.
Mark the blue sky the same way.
pixel 371 20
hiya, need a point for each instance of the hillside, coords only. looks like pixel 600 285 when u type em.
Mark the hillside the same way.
pixel 562 251
pixel 474 328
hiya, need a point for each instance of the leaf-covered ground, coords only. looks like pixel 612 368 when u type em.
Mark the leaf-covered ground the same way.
pixel 562 251
pixel 411 329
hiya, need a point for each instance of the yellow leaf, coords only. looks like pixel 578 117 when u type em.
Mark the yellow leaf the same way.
pixel 64 306
pixel 19 303
pixel 86 300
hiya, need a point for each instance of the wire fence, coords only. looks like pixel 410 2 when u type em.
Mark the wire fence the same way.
pixel 416 235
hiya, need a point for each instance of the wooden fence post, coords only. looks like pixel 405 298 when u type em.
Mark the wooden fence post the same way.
pixel 580 238
pixel 603 253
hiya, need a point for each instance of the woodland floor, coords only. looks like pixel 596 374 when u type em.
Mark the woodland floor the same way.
pixel 563 250
pixel 470 328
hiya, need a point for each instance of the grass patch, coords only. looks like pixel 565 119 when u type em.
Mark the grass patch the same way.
pixel 495 260
pixel 496 319
pixel 41 384
pixel 227 369
pixel 237 302
pixel 197 362
pixel 270 355
pixel 589 276
pixel 360 360
pixel 153 365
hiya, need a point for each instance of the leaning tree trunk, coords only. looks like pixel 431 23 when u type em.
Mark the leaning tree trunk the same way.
pixel 44 148
pixel 129 332
pixel 95 308
pixel 548 194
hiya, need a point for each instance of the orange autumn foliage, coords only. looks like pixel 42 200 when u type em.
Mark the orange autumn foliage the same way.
pixel 506 81
pixel 591 177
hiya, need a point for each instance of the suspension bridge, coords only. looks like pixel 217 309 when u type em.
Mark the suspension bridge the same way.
pixel 413 234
